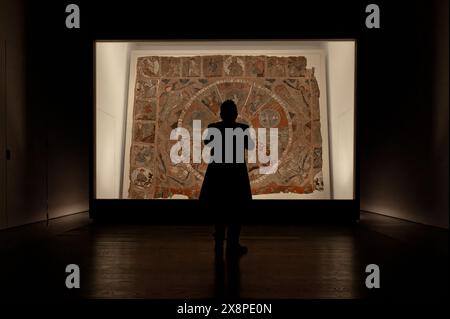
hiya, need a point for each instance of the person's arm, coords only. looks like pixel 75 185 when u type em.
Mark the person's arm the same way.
pixel 249 143
pixel 209 136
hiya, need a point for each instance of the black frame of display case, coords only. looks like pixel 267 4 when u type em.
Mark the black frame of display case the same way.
pixel 261 211
pixel 264 211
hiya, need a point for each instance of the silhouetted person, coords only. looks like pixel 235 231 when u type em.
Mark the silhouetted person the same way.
pixel 226 188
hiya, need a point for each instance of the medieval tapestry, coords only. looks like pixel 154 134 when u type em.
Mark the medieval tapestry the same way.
pixel 270 92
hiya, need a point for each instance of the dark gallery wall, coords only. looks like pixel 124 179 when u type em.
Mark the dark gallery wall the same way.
pixel 59 82
pixel 23 177
pixel 404 120
pixel 47 98
pixel 3 217
pixel 42 124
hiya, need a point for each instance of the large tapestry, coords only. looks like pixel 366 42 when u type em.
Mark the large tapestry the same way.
pixel 270 92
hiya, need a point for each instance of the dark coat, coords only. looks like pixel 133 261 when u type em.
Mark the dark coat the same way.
pixel 227 184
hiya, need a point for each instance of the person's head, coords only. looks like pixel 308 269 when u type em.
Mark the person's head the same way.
pixel 228 111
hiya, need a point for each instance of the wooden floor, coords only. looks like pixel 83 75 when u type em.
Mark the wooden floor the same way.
pixel 147 261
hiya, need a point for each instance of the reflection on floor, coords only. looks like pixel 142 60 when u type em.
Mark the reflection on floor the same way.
pixel 148 261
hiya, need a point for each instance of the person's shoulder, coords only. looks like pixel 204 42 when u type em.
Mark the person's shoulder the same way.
pixel 242 126
pixel 215 124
